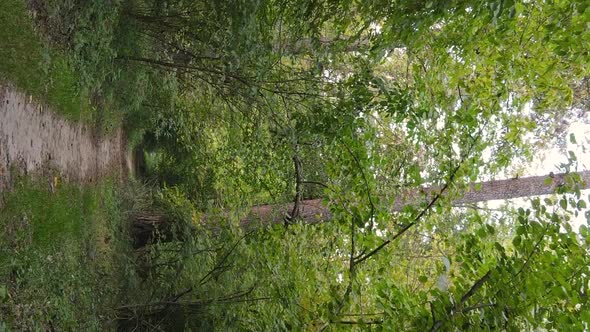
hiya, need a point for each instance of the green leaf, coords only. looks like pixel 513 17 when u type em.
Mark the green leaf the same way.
pixel 572 155
pixel 516 241
pixel 573 138
pixel 491 229
pixel 563 204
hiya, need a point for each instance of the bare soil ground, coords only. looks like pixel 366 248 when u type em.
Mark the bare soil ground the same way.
pixel 34 140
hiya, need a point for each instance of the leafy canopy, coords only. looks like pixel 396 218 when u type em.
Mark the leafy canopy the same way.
pixel 355 103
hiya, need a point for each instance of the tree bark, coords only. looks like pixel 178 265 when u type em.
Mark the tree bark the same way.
pixel 154 227
pixel 315 211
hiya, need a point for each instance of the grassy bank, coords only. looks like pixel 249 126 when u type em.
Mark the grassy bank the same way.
pixel 63 251
pixel 62 256
pixel 64 53
pixel 65 257
pixel 33 66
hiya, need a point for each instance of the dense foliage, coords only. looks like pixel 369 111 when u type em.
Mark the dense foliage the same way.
pixel 355 102
pixel 250 102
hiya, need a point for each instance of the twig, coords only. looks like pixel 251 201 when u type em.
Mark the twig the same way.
pixel 295 211
pixel 219 265
pixel 368 188
pixel 428 207
pixel 455 309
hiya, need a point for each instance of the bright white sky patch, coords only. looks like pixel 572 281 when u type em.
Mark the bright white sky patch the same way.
pixel 375 28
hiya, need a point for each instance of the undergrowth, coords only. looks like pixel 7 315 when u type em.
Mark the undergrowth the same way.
pixel 36 68
pixel 63 257
pixel 66 261
pixel 64 53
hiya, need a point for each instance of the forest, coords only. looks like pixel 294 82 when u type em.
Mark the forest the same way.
pixel 294 165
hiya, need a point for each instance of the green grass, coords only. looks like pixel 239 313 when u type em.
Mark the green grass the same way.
pixel 32 66
pixel 65 260
pixel 77 74
pixel 62 257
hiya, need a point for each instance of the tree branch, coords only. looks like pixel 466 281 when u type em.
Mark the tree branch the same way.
pixel 295 211
pixel 456 309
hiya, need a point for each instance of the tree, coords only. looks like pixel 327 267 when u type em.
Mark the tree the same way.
pixel 446 94
pixel 315 211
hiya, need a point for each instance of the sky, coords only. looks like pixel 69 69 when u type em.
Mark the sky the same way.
pixel 549 160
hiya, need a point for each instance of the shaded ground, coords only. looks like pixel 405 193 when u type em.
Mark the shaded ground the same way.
pixel 34 140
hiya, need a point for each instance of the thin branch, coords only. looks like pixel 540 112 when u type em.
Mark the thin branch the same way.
pixel 456 309
pixel 368 188
pixel 414 222
pixel 175 65
pixel 477 285
pixel 535 249
pixel 219 265
pixel 295 211
pixel 428 207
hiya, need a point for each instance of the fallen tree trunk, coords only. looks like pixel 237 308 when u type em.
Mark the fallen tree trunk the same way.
pixel 155 227
pixel 149 228
pixel 315 211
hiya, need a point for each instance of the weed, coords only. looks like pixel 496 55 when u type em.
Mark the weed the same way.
pixel 62 256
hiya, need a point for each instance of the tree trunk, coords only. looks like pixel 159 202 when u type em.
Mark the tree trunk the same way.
pixel 314 211
pixel 150 227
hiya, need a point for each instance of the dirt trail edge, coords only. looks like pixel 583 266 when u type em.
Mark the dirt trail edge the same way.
pixel 35 140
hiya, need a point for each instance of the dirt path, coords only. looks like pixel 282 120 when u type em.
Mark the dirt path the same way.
pixel 35 140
